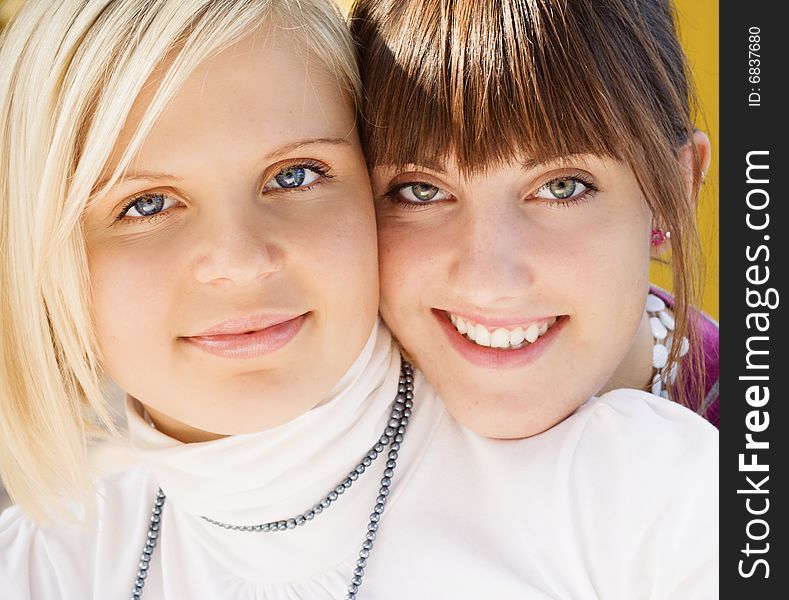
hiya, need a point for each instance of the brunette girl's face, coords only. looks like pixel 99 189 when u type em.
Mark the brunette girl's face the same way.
pixel 518 291
pixel 234 267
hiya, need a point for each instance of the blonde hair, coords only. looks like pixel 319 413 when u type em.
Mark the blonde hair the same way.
pixel 69 74
pixel 487 80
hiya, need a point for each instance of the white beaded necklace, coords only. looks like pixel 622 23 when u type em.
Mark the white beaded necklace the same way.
pixel 662 325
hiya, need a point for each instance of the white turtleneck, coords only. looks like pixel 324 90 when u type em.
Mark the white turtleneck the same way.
pixel 619 501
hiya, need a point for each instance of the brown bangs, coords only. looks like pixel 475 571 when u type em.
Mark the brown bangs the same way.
pixel 486 81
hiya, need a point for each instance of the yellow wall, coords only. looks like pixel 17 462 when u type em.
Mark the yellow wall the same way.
pixel 698 28
pixel 698 25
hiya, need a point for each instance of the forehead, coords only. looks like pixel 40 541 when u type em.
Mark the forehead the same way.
pixel 261 93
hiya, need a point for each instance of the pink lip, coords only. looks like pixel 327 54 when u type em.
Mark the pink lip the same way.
pixel 249 337
pixel 497 358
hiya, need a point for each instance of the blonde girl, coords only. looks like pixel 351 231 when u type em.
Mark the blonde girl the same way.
pixel 185 208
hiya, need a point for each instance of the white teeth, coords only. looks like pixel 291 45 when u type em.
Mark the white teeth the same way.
pixel 472 332
pixel 482 335
pixel 517 336
pixel 460 325
pixel 500 337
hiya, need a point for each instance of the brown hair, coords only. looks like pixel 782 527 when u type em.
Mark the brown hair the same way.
pixel 487 80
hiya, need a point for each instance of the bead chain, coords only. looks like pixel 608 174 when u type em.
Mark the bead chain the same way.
pixel 393 434
pixel 662 325
pixel 150 544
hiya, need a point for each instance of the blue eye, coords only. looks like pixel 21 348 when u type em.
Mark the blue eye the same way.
pixel 294 176
pixel 146 205
pixel 291 177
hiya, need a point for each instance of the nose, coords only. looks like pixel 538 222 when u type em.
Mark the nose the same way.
pixel 490 263
pixel 237 247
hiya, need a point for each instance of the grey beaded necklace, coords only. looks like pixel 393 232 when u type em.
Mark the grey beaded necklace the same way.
pixel 393 434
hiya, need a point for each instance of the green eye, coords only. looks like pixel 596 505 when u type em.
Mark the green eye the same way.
pixel 418 193
pixel 424 192
pixel 562 188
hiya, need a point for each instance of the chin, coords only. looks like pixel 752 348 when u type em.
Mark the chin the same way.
pixel 503 426
pixel 503 415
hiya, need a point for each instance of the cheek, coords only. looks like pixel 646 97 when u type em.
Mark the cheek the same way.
pixel 616 262
pixel 128 299
pixel 342 251
pixel 407 265
pixel 611 249
pixel 611 280
pixel 626 256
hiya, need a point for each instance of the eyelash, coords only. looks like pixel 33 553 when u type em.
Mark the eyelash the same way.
pixel 592 189
pixel 312 165
pixel 393 197
pixel 584 196
pixel 144 219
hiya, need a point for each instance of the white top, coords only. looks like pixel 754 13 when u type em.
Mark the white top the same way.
pixel 617 502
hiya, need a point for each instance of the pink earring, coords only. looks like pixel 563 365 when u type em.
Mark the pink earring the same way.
pixel 659 236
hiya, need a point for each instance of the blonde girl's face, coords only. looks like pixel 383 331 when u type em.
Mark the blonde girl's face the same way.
pixel 233 268
pixel 518 291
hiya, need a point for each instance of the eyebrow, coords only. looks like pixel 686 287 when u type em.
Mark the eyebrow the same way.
pixel 285 149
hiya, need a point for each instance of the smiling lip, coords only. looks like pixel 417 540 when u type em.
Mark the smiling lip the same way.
pixel 497 358
pixel 249 337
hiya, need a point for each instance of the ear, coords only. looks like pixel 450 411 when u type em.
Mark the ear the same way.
pixel 695 156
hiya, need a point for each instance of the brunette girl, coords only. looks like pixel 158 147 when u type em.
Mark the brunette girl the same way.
pixel 529 158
